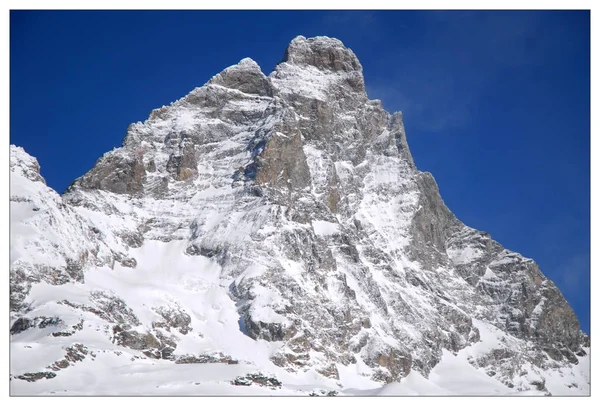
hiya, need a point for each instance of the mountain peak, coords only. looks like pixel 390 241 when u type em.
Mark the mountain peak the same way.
pixel 23 163
pixel 248 63
pixel 274 225
pixel 323 53
pixel 245 76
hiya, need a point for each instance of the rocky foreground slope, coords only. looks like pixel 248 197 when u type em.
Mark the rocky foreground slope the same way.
pixel 273 225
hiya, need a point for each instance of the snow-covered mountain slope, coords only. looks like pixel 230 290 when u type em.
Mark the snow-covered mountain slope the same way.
pixel 274 226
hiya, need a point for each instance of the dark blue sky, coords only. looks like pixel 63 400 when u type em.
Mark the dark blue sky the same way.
pixel 496 104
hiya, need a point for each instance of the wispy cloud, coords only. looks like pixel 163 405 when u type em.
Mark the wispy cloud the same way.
pixel 351 19
pixel 439 80
pixel 567 264
pixel 574 274
pixel 436 107
pixel 363 19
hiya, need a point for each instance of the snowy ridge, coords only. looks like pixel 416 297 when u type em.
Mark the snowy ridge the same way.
pixel 272 235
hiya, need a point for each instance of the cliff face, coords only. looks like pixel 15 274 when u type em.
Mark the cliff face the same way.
pixel 292 204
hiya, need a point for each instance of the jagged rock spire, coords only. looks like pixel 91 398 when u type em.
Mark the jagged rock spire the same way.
pixel 246 76
pixel 322 53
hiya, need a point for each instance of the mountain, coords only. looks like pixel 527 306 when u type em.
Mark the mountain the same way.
pixel 272 235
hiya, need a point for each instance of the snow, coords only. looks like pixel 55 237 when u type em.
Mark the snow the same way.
pixel 489 276
pixel 458 376
pixel 111 374
pixel 465 255
pixel 185 121
pixel 163 277
pixel 416 385
pixel 325 228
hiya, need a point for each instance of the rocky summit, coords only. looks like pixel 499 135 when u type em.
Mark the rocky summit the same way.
pixel 272 235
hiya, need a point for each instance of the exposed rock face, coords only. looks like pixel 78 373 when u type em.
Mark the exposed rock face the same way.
pixel 184 165
pixel 258 379
pixel 32 377
pixel 302 196
pixel 117 174
pixel 282 164
pixel 23 323
pixel 322 53
pixel 245 77
pixel 174 317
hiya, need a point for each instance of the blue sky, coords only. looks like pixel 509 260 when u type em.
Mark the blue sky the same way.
pixel 496 104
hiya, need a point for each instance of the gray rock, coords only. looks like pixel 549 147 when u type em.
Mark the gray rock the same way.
pixel 183 166
pixel 259 379
pixel 217 358
pixel 116 174
pixel 282 164
pixel 36 376
pixel 246 77
pixel 174 317
pixel 323 53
